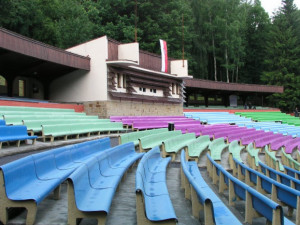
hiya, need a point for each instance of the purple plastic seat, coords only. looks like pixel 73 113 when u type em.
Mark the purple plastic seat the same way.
pixel 290 146
pixel 252 138
pixel 278 143
pixel 263 141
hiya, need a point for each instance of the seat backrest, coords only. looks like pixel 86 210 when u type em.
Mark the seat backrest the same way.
pixel 216 143
pixel 44 162
pixel 7 131
pixel 129 137
pixel 202 140
pixel 157 137
pixel 115 154
pixel 18 173
pixel 179 140
pixel 89 148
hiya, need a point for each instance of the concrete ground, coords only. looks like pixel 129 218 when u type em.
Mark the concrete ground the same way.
pixel 123 208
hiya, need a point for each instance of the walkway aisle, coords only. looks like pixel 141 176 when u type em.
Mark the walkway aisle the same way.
pixel 182 206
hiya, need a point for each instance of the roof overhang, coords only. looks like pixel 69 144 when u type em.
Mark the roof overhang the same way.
pixel 133 66
pixel 207 85
pixel 23 56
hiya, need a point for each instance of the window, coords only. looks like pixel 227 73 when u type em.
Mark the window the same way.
pixel 2 81
pixel 119 78
pixel 144 89
pixel 22 88
pixel 124 81
pixel 154 90
pixel 151 90
pixel 177 89
pixel 141 89
pixel 173 88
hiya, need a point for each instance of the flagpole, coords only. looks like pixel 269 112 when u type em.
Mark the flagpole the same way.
pixel 135 21
pixel 182 40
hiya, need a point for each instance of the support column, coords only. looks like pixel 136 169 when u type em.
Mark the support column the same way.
pixel 46 85
pixel 206 100
pixel 10 85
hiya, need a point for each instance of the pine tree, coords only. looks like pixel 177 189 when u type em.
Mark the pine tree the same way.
pixel 283 62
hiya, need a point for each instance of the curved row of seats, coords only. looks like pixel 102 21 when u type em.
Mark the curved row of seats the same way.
pixel 217 117
pixel 271 116
pixel 256 203
pixel 245 136
pixel 14 133
pixel 92 169
pixel 52 122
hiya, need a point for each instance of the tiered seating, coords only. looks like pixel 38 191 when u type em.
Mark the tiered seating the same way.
pixel 137 122
pixel 275 145
pixel 153 123
pixel 65 130
pixel 279 176
pixel 216 147
pixel 186 127
pixel 275 128
pixel 194 149
pixel 41 174
pixel 120 118
pixel 288 160
pixel 153 203
pixel 202 196
pixel 292 145
pixel 234 152
pixel 54 122
pixel 171 146
pixel 216 117
pixel 15 133
pixel 35 126
pixel 279 192
pixel 252 158
pixel 92 186
pixel 272 161
pixel 134 136
pixel 256 204
pixel 151 141
pixel 271 116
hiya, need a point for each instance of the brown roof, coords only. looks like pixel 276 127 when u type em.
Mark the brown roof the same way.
pixel 223 86
pixel 19 53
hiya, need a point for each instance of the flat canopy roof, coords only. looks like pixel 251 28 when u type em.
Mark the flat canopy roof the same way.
pixel 22 56
pixel 231 87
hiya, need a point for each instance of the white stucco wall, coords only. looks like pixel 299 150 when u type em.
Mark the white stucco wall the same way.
pixel 84 85
pixel 159 92
pixel 178 69
pixel 129 52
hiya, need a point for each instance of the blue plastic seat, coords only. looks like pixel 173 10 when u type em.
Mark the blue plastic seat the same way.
pixel 157 205
pixel 22 183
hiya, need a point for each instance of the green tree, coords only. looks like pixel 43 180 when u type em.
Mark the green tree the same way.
pixel 283 60
pixel 257 30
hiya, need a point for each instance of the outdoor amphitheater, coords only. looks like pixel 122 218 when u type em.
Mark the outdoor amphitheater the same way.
pixel 105 137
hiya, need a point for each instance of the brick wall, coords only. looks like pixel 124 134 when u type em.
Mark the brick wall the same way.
pixel 104 109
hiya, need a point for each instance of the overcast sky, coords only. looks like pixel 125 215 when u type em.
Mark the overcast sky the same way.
pixel 272 5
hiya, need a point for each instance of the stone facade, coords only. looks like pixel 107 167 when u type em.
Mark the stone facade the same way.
pixel 105 109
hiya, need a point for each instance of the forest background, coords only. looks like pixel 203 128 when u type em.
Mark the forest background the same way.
pixel 224 40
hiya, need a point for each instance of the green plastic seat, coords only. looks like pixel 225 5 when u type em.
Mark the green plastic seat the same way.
pixel 194 149
pixel 253 159
pixel 153 140
pixel 134 136
pixel 216 148
pixel 36 125
pixel 51 131
pixel 173 145
pixel 234 152
pixel 288 160
pixel 272 161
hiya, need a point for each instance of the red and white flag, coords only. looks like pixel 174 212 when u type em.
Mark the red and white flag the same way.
pixel 164 56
